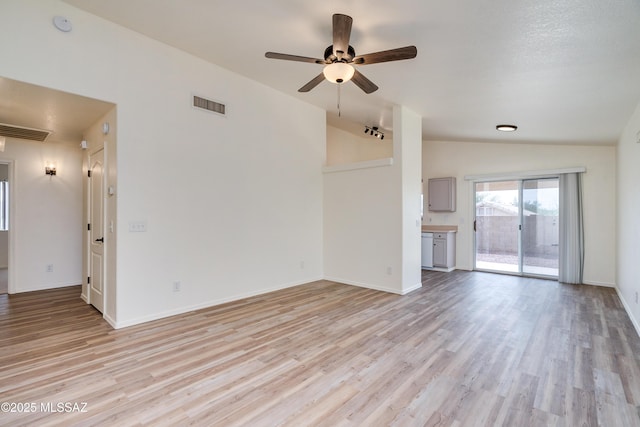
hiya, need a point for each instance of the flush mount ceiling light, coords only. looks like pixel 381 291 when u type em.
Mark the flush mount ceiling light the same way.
pixel 506 128
pixel 338 72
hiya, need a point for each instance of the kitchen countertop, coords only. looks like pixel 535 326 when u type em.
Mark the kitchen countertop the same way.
pixel 439 228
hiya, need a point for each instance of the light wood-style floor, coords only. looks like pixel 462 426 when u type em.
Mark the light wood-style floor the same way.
pixel 467 349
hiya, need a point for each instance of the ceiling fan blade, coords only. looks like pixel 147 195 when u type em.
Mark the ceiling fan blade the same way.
pixel 287 57
pixel 363 83
pixel 313 83
pixel 341 33
pixel 398 54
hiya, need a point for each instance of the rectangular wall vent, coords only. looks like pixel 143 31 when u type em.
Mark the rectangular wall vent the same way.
pixel 21 132
pixel 209 105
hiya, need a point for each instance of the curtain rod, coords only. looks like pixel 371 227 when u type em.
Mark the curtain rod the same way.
pixel 519 175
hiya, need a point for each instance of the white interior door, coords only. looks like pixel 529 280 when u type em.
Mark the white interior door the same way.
pixel 96 231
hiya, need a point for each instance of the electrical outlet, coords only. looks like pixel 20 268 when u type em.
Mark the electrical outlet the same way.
pixel 389 271
pixel 301 265
pixel 137 226
pixel 50 270
pixel 177 286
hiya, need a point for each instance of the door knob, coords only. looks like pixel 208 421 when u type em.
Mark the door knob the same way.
pixel 100 239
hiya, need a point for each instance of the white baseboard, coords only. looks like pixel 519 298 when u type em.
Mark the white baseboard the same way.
pixel 444 270
pixel 47 286
pixel 627 308
pixel 110 321
pixel 181 310
pixel 374 287
pixel 595 283
pixel 412 288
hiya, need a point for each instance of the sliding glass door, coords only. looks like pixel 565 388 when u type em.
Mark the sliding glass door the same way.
pixel 540 235
pixel 496 225
pixel 516 226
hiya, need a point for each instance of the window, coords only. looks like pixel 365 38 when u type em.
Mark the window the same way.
pixel 4 206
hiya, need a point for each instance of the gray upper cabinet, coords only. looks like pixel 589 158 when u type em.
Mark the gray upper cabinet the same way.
pixel 442 194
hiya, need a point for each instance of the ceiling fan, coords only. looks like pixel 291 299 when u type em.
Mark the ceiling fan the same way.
pixel 340 58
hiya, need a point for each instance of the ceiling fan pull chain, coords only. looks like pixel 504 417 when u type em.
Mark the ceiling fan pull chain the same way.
pixel 338 99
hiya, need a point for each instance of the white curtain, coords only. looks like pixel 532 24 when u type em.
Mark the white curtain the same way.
pixel 571 229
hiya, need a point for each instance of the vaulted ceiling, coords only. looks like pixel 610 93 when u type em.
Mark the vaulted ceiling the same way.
pixel 563 71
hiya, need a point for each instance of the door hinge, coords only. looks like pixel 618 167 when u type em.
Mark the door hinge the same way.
pixel 88 227
pixel 88 280
pixel 89 173
pixel 474 225
pixel 520 227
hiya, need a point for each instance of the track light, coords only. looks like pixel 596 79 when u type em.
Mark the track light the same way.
pixel 373 131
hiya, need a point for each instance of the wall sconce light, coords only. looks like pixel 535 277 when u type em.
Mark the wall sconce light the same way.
pixel 373 131
pixel 50 169
pixel 3 141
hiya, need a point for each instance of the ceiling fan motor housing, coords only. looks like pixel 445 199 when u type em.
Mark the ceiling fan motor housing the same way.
pixel 330 58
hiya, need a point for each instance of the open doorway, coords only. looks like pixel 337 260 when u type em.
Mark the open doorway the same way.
pixel 47 224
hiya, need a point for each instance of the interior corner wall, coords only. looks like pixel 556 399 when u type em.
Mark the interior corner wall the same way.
pixel 362 228
pixel 47 213
pixel 364 214
pixel 457 159
pixel 628 228
pixel 232 205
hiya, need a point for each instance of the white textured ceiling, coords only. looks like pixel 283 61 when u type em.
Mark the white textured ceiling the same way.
pixel 564 71
pixel 66 115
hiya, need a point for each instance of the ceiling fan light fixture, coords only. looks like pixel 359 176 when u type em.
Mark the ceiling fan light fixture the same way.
pixel 506 128
pixel 338 72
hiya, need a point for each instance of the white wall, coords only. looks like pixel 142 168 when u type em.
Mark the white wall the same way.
pixel 366 239
pixel 628 209
pixel 407 127
pixel 47 215
pixel 344 147
pixel 458 159
pixel 233 205
pixel 4 235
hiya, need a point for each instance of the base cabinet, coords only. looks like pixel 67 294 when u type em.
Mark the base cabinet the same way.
pixel 444 250
pixel 427 250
